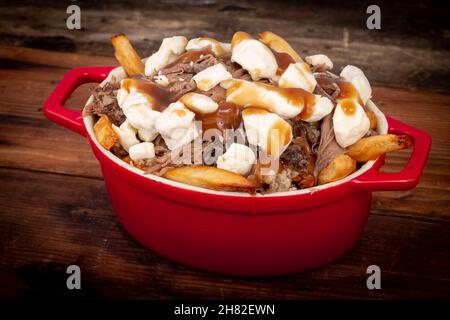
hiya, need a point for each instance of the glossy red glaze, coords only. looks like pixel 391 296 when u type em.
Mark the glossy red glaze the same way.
pixel 240 235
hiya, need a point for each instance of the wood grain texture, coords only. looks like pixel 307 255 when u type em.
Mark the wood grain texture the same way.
pixel 410 50
pixel 55 210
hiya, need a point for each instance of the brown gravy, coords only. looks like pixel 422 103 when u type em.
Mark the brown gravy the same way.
pixel 348 106
pixel 227 116
pixel 348 90
pixel 308 109
pixel 283 61
pixel 158 98
pixel 296 96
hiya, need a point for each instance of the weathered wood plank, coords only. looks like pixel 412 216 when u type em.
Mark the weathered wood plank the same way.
pixel 410 50
pixel 47 226
pixel 55 59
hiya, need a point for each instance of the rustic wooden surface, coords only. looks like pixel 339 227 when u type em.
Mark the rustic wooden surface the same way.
pixel 55 211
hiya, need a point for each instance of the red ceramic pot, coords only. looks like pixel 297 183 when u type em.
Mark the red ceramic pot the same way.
pixel 235 233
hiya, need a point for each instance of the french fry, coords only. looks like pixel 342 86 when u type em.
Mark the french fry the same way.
pixel 370 148
pixel 338 169
pixel 104 132
pixel 238 37
pixel 373 120
pixel 210 178
pixel 126 55
pixel 277 43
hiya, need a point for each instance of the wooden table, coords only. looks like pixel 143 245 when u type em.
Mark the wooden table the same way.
pixel 55 211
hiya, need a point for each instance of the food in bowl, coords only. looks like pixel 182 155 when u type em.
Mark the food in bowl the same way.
pixel 250 115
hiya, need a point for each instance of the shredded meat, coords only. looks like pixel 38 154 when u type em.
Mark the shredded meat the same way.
pixel 180 84
pixel 180 73
pixel 297 161
pixel 105 103
pixel 236 70
pixel 163 162
pixel 300 155
pixel 300 158
pixel 180 81
pixel 309 130
pixel 282 181
pixel 186 65
pixel 204 62
pixel 326 85
pixel 328 146
pixel 218 94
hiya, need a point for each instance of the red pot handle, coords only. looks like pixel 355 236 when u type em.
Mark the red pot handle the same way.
pixel 374 180
pixel 54 105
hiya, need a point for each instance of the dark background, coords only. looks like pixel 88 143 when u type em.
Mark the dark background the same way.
pixel 54 209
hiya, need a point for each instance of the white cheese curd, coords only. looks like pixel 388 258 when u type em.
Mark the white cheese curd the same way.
pixel 218 48
pixel 356 76
pixel 320 59
pixel 322 107
pixel 168 52
pixel 247 93
pixel 176 125
pixel 298 75
pixel 350 122
pixel 255 57
pixel 199 103
pixel 161 80
pixel 143 118
pixel 127 99
pixel 238 159
pixel 267 130
pixel 211 77
pixel 138 111
pixel 142 151
pixel 127 135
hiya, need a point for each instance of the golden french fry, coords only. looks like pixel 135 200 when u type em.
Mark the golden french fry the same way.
pixel 238 37
pixel 210 178
pixel 126 55
pixel 338 169
pixel 373 120
pixel 371 147
pixel 104 132
pixel 277 43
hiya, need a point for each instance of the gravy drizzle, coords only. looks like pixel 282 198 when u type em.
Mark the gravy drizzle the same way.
pixel 158 97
